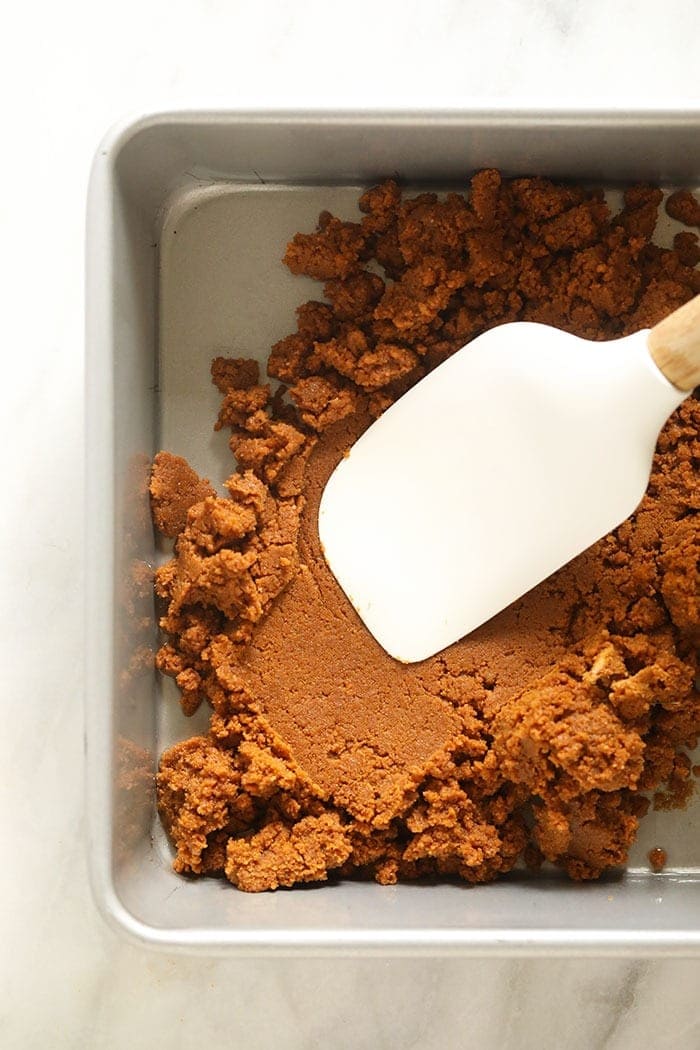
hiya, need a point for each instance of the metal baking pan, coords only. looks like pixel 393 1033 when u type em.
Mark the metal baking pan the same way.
pixel 188 216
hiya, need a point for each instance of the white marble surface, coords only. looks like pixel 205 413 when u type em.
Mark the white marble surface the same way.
pixel 68 71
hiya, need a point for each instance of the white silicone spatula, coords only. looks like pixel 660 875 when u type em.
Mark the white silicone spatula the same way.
pixel 500 466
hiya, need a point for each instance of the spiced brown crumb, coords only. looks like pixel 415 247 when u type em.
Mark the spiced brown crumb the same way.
pixel 234 373
pixel 657 859
pixel 684 207
pixel 321 402
pixel 174 488
pixel 332 252
pixel 687 247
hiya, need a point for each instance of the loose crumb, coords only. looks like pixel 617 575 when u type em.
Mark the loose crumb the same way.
pixel 657 859
pixel 175 487
pixel 684 207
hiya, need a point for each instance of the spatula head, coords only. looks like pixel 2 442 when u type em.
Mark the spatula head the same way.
pixel 500 466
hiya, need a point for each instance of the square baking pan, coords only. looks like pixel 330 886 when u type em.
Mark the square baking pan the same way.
pixel 188 218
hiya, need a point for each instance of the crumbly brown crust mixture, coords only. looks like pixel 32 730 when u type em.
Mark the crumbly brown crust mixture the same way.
pixel 540 736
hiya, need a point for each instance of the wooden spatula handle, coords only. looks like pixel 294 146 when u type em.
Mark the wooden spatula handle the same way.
pixel 674 344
